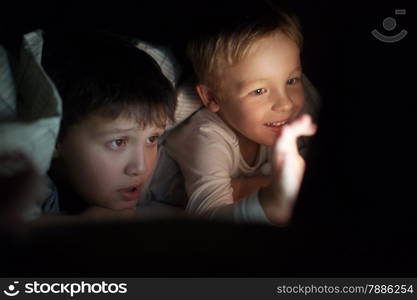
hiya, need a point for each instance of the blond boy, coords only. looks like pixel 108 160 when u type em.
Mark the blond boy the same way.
pixel 249 80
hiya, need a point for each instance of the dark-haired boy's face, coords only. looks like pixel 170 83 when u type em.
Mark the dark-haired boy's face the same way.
pixel 108 162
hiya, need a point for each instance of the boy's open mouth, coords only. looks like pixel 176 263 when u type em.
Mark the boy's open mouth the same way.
pixel 131 193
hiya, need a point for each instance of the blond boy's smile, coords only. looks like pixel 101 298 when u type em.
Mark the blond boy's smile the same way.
pixel 276 126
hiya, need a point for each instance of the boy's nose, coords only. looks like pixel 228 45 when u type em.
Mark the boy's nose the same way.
pixel 137 163
pixel 282 103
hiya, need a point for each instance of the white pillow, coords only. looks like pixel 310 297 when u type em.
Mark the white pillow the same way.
pixel 33 128
pixel 188 100
pixel 7 89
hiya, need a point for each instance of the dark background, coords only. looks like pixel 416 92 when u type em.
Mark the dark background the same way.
pixel 356 214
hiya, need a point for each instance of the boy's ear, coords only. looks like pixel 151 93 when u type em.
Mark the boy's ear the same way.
pixel 208 97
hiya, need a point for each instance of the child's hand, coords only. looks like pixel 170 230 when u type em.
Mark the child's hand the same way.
pixel 287 171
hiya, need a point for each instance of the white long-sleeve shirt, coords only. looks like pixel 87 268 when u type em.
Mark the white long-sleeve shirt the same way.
pixel 208 155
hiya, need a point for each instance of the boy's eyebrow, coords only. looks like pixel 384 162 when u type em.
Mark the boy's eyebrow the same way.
pixel 297 69
pixel 116 130
pixel 245 83
pixel 123 130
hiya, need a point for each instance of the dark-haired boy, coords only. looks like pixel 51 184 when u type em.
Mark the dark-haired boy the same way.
pixel 116 103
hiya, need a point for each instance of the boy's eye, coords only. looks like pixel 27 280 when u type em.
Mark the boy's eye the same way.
pixel 152 139
pixel 293 81
pixel 258 92
pixel 118 143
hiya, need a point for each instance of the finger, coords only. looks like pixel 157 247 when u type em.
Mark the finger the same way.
pixel 303 125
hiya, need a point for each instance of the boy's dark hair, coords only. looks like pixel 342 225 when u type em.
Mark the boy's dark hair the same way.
pixel 107 75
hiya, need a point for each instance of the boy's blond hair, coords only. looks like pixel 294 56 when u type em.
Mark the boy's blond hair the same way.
pixel 227 47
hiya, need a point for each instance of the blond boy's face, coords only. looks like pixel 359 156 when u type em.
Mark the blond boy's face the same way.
pixel 108 162
pixel 263 91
